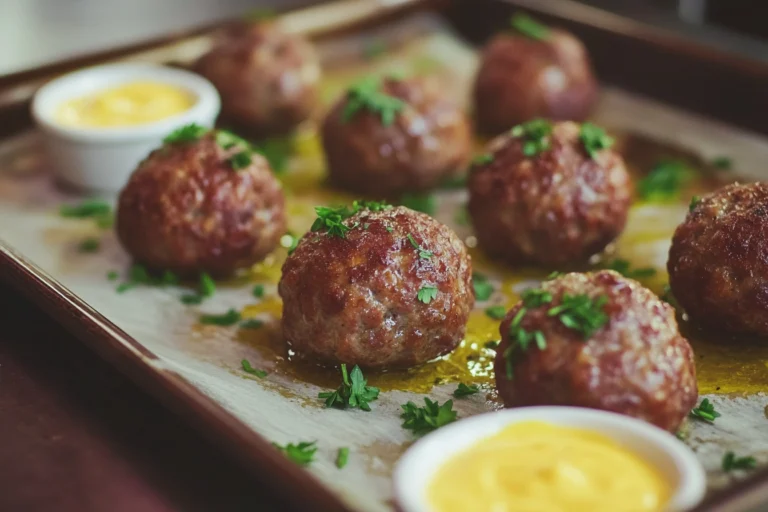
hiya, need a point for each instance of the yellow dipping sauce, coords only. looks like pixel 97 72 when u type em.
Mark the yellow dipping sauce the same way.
pixel 539 467
pixel 130 104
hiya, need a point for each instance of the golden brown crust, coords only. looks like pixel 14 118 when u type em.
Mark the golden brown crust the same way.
pixel 186 210
pixel 428 142
pixel 268 80
pixel 522 78
pixel 355 300
pixel 718 261
pixel 638 364
pixel 558 207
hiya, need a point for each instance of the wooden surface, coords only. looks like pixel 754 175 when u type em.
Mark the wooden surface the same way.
pixel 77 436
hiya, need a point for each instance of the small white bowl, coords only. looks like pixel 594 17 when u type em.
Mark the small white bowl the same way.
pixel 663 451
pixel 103 158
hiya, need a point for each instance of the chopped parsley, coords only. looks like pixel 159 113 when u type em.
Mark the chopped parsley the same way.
pixel 723 163
pixel 483 288
pixel 463 390
pixel 231 317
pixel 529 27
pixel 624 267
pixel 496 312
pixel 389 229
pixel 112 275
pixel 89 245
pixel 226 139
pixel 247 368
pixel 277 151
pixel 423 420
pixel 192 299
pixel 427 294
pixel 207 285
pixel 139 275
pixel 302 453
pixel 536 297
pixel 482 159
pixel 581 313
pixel 353 391
pixel 258 291
pixel 331 219
pixel 92 208
pixel 695 200
pixel 342 457
pixel 251 323
pixel 594 139
pixel 423 253
pixel 240 161
pixel 367 95
pixel 425 203
pixel 705 411
pixel 664 182
pixel 731 462
pixel 535 134
pixel 520 339
pixel 187 133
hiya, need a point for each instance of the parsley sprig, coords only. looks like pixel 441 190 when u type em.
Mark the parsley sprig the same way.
pixel 463 390
pixel 536 135
pixel 423 420
pixel 187 133
pixel 581 313
pixel 353 392
pixel 731 462
pixel 302 453
pixel 367 95
pixel 594 139
pixel 330 219
pixel 529 27
pixel 705 411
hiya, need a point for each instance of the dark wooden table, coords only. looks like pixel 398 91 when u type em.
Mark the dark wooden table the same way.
pixel 77 436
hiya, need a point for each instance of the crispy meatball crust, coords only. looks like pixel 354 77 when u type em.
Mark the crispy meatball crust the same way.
pixel 637 364
pixel 268 80
pixel 355 300
pixel 522 78
pixel 185 209
pixel 557 207
pixel 429 141
pixel 718 261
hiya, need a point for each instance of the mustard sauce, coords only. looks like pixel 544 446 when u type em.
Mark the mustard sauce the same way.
pixel 130 104
pixel 539 467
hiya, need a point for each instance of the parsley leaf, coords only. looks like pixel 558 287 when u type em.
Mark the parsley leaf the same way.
pixel 342 457
pixel 427 294
pixel 92 208
pixel 226 139
pixel 423 253
pixel 187 133
pixel 89 245
pixel 138 275
pixel 353 392
pixel 367 95
pixel 231 317
pixel 695 200
pixel 192 299
pixel 705 411
pixel 723 163
pixel 731 462
pixel 247 368
pixel 482 159
pixel 624 268
pixel 331 219
pixel 483 288
pixel 664 182
pixel 302 453
pixel 251 323
pixel 496 312
pixel 258 291
pixel 425 203
pixel 536 297
pixel 463 390
pixel 207 285
pixel 423 420
pixel 535 134
pixel 594 139
pixel 581 313
pixel 529 27
pixel 112 275
pixel 520 339
pixel 240 161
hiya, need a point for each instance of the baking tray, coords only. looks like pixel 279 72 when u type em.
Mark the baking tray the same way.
pixel 151 337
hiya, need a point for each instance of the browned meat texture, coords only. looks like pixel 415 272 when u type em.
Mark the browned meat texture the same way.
pixel 718 262
pixel 637 364
pixel 268 80
pixel 355 300
pixel 522 78
pixel 557 207
pixel 428 142
pixel 185 209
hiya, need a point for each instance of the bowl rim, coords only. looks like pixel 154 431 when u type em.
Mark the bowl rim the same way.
pixel 417 466
pixel 97 78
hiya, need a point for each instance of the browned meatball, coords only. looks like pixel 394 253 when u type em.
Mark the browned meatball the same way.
pixel 394 291
pixel 718 262
pixel 621 350
pixel 268 80
pixel 521 78
pixel 193 206
pixel 420 139
pixel 558 206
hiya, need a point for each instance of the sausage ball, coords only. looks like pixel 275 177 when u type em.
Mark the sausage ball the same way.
pixel 539 197
pixel 268 80
pixel 201 203
pixel 390 136
pixel 521 78
pixel 376 286
pixel 718 270
pixel 597 340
